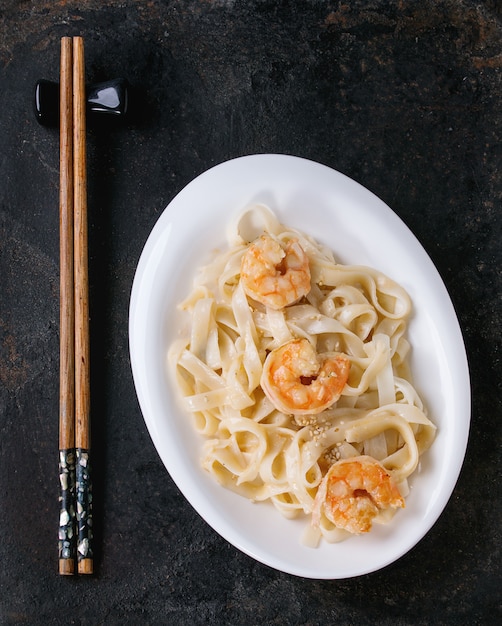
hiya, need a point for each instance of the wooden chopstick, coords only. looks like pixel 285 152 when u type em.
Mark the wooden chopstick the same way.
pixel 74 437
pixel 82 344
pixel 67 536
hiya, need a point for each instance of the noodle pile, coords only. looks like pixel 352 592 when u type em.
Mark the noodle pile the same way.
pixel 260 452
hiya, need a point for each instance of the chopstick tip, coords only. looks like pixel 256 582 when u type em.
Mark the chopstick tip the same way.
pixel 66 567
pixel 86 566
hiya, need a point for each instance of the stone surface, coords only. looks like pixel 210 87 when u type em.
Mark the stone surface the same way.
pixel 405 98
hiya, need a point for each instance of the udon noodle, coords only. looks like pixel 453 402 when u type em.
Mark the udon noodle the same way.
pixel 267 454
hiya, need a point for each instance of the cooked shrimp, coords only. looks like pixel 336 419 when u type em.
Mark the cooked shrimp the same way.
pixel 353 492
pixel 297 381
pixel 275 274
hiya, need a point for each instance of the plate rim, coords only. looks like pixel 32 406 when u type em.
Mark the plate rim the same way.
pixel 139 285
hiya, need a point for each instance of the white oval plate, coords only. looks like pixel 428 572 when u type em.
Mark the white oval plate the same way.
pixel 360 229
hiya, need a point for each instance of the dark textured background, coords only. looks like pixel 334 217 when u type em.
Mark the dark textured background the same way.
pixel 402 96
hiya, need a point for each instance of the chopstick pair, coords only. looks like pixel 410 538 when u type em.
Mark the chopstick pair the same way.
pixel 75 523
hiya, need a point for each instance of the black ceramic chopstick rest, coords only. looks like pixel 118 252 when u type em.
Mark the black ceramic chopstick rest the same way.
pixel 109 99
